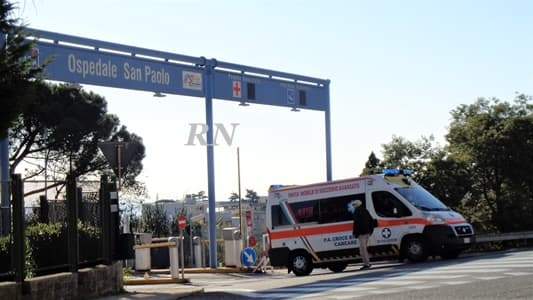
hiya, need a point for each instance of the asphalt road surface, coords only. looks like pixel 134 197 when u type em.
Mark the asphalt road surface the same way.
pixel 504 275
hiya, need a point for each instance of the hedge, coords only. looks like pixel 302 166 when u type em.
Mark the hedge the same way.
pixel 46 246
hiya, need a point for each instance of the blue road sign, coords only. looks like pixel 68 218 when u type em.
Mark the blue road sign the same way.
pixel 269 91
pixel 87 61
pixel 248 257
pixel 87 66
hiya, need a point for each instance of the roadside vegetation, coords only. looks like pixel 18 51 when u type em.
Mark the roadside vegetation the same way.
pixel 485 168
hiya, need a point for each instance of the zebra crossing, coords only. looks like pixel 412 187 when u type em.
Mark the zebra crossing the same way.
pixel 398 279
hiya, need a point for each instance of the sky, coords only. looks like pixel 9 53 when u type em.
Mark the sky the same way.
pixel 396 68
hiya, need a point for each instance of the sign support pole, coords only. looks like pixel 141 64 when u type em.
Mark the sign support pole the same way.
pixel 4 181
pixel 210 165
pixel 4 172
pixel 240 198
pixel 328 138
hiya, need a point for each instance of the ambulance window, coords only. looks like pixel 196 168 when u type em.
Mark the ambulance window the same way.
pixel 278 216
pixel 306 211
pixel 336 209
pixel 388 206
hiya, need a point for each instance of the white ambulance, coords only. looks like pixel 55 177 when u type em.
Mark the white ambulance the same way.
pixel 311 225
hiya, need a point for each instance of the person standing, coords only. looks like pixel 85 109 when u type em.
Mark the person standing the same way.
pixel 363 226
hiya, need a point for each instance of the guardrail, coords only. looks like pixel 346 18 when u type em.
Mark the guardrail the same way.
pixel 499 237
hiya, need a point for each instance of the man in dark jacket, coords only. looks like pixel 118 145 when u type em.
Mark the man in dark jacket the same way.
pixel 363 226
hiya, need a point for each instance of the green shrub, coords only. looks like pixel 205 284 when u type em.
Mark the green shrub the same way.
pixel 5 254
pixel 90 246
pixel 48 244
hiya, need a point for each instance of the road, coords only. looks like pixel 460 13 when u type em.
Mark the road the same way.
pixel 504 275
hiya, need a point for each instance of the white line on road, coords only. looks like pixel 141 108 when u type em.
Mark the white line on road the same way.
pixel 422 287
pixel 518 273
pixel 339 290
pixel 437 271
pixel 481 266
pixel 430 276
pixel 388 291
pixel 488 277
pixel 389 282
pixel 456 282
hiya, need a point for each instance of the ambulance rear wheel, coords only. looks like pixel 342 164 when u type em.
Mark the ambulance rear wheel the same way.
pixel 301 263
pixel 337 267
pixel 415 249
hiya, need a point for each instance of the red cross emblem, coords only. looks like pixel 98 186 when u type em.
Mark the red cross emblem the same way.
pixel 237 91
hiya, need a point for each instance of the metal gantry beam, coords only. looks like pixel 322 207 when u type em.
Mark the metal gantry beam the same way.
pixel 89 61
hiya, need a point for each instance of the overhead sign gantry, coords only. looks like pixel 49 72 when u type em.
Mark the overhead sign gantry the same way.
pixel 89 61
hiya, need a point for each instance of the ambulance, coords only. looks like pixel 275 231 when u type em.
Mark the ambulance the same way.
pixel 311 226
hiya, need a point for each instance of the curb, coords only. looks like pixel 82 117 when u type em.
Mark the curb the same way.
pixel 155 281
pixel 204 271
pixel 190 293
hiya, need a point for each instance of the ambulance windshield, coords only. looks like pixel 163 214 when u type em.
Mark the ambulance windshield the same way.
pixel 422 199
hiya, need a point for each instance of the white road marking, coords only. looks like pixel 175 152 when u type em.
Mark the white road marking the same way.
pixel 437 271
pixel 300 289
pixel 488 277
pixel 518 273
pixel 387 291
pixel 457 282
pixel 421 287
pixel 335 291
pixel 272 295
pixel 386 282
pixel 431 276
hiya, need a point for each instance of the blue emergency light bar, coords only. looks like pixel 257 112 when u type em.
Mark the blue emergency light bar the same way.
pixel 396 172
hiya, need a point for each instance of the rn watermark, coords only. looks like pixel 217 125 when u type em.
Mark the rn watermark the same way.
pixel 198 131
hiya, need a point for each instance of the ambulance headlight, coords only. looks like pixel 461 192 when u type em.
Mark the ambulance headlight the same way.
pixel 434 219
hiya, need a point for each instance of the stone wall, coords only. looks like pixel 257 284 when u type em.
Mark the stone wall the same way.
pixel 55 286
pixel 86 284
pixel 9 290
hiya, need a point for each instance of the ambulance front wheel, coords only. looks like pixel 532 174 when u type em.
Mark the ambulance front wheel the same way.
pixel 301 263
pixel 415 249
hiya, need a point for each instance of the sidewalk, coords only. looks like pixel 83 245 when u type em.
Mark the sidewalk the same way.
pixel 159 291
pixel 204 270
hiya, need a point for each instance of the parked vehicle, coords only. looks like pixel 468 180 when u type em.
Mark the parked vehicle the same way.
pixel 311 225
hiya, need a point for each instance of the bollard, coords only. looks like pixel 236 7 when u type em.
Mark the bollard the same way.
pixel 182 256
pixel 143 256
pixel 197 252
pixel 174 257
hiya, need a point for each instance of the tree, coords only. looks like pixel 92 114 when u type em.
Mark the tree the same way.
pixel 234 197
pixel 59 132
pixel 401 153
pixel 372 165
pixel 16 72
pixel 155 220
pixel 495 140
pixel 251 196
pixel 434 168
pixel 486 169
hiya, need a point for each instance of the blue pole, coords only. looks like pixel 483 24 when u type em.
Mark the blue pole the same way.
pixel 4 172
pixel 210 165
pixel 4 179
pixel 328 138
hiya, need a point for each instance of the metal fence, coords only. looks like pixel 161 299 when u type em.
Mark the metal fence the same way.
pixel 58 229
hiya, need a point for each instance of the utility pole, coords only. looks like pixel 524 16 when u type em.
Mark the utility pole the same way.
pixel 240 198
